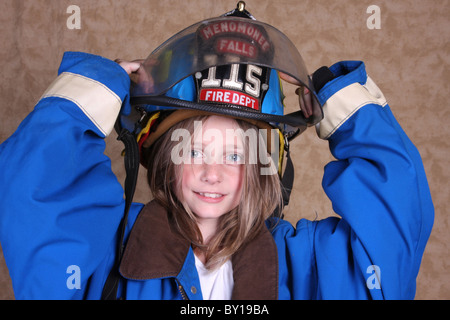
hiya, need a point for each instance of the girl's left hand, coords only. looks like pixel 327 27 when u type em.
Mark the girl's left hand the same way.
pixel 305 98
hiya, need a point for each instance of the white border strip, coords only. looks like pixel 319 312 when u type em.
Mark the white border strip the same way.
pixel 344 103
pixel 98 102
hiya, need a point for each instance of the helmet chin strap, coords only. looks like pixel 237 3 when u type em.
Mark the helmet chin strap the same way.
pixel 132 162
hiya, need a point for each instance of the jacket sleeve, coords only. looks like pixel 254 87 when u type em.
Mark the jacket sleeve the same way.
pixel 61 203
pixel 377 185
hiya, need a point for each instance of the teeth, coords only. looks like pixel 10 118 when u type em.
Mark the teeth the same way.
pixel 210 195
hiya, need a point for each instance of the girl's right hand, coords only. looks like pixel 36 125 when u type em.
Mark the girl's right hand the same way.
pixel 129 66
pixel 137 73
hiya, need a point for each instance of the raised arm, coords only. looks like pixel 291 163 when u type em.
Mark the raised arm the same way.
pixel 378 187
pixel 61 204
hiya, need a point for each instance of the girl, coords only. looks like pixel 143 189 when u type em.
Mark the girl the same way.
pixel 207 192
pixel 215 198
pixel 209 232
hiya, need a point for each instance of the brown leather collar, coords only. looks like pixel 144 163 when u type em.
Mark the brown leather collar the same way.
pixel 154 250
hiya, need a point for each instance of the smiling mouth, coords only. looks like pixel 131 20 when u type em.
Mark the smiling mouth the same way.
pixel 210 195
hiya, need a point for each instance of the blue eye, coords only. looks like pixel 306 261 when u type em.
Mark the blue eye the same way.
pixel 196 154
pixel 234 158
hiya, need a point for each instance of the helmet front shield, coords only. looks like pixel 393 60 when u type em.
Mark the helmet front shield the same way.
pixel 218 42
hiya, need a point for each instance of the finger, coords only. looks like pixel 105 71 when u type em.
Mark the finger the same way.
pixel 289 79
pixel 301 102
pixel 304 95
pixel 128 66
pixel 304 99
pixel 133 66
pixel 307 97
pixel 143 76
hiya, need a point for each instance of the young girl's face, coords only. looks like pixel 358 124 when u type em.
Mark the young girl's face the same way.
pixel 211 182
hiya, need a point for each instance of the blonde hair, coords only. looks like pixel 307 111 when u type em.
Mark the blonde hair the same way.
pixel 261 196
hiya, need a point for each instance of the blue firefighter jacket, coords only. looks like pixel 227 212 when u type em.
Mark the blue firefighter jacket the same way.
pixel 61 204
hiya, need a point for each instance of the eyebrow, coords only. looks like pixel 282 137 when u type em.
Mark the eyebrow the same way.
pixel 204 144
pixel 226 147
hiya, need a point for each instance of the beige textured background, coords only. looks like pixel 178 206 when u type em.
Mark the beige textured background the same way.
pixel 408 58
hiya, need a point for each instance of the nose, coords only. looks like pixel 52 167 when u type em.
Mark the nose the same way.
pixel 211 173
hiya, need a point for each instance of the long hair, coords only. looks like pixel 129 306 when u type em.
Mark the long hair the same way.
pixel 260 197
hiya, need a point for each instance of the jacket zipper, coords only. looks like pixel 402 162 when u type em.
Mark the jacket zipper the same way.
pixel 182 292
